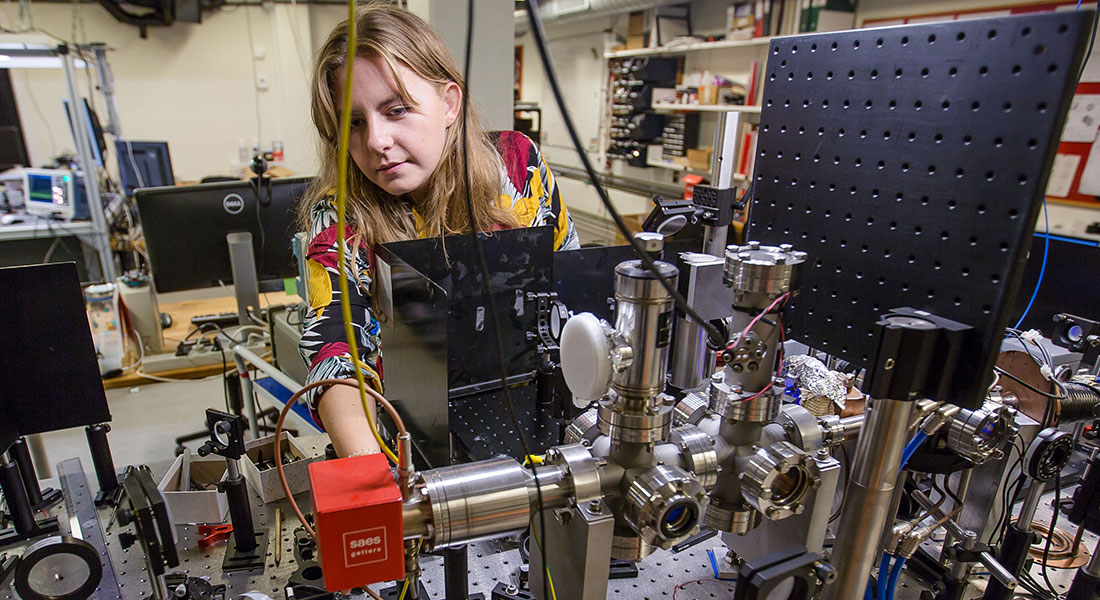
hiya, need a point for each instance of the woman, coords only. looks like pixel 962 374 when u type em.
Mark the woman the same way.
pixel 406 182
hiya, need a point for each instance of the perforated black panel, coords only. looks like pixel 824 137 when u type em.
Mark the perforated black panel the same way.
pixel 910 162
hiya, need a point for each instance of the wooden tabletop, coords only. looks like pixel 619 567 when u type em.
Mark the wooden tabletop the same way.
pixel 181 313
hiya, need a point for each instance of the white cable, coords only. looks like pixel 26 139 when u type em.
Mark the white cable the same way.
pixel 38 111
pixel 136 367
pixel 133 163
pixel 141 351
pixel 255 80
pixel 276 63
pixel 996 380
pixel 303 60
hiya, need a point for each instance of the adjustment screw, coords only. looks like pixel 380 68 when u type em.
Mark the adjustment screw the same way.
pixel 595 505
pixel 180 591
pixel 511 590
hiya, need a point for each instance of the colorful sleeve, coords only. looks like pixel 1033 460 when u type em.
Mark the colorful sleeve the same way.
pixel 534 192
pixel 323 345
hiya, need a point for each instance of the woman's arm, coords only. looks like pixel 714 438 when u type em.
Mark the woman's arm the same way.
pixel 341 409
pixel 324 346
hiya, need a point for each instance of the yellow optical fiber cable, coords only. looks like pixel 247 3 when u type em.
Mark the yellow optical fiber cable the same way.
pixel 341 224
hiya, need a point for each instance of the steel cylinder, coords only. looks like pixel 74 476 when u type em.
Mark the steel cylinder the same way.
pixel 643 317
pixel 870 489
pixel 690 366
pixel 477 501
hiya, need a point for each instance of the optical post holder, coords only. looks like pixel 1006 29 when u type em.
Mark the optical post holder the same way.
pixel 227 440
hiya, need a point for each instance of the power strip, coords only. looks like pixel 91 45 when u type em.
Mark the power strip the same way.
pixel 198 357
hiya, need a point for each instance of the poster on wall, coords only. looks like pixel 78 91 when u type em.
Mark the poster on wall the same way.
pixel 1083 119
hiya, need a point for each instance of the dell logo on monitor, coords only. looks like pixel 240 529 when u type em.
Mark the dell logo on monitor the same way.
pixel 233 204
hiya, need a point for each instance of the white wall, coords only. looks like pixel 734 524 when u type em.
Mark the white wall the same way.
pixel 189 84
pixel 491 51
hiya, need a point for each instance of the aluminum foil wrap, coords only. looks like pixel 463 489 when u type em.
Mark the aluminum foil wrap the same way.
pixel 821 389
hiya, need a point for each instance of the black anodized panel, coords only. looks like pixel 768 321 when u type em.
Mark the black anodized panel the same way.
pixel 49 376
pixel 910 162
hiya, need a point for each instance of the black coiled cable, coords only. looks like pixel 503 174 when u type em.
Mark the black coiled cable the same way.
pixel 1082 402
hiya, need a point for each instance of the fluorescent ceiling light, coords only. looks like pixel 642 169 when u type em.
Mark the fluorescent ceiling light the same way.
pixel 30 51
pixel 34 62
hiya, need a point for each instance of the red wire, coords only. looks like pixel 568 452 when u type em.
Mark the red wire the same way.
pixel 782 340
pixel 758 394
pixel 677 589
pixel 753 322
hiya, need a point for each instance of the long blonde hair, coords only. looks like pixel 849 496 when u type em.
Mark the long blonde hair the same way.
pixel 400 37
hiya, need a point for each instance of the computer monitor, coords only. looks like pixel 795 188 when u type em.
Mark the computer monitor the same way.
pixel 49 376
pixel 186 227
pixel 95 131
pixel 143 164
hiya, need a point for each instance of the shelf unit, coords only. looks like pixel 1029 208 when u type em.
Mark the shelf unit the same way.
pixel 665 164
pixel 666 50
pixel 672 107
pixel 730 53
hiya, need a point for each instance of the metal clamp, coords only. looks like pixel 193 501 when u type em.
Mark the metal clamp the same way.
pixel 698 452
pixel 581 468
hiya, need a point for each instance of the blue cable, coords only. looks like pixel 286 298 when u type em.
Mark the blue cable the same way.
pixel 895 573
pixel 1042 269
pixel 911 448
pixel 883 571
pixel 1068 240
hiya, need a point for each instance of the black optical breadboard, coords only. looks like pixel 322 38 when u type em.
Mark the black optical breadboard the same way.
pixel 910 163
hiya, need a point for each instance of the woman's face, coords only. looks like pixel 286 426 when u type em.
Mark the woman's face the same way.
pixel 396 146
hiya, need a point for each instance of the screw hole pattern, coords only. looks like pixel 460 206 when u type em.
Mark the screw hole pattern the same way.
pixel 925 170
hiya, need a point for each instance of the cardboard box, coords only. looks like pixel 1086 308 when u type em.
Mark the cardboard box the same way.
pixel 266 483
pixel 698 158
pixel 196 506
pixel 635 42
pixel 636 24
